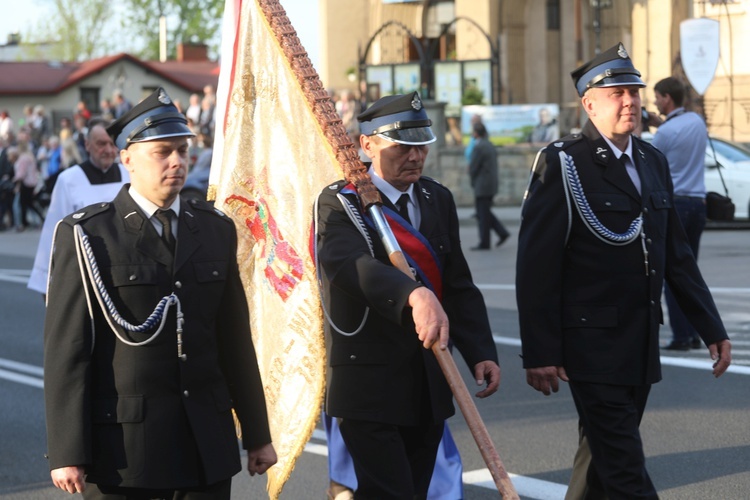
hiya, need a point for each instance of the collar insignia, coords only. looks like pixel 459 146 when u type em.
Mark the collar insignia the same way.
pixel 79 215
pixel 558 144
pixel 600 150
pixel 426 194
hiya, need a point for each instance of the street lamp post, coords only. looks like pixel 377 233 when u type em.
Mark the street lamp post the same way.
pixel 598 5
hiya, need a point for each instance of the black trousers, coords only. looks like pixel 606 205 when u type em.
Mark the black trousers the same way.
pixel 487 221
pixel 26 203
pixel 692 214
pixel 217 491
pixel 391 461
pixel 610 416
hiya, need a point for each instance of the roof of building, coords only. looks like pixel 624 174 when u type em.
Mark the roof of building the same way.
pixel 48 77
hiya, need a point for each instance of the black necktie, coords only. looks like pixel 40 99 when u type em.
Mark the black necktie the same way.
pixel 165 218
pixel 403 207
pixel 632 173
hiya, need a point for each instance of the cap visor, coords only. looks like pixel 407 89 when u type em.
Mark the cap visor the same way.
pixel 164 130
pixel 619 80
pixel 412 136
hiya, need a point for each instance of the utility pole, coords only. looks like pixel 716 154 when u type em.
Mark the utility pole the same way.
pixel 578 33
pixel 162 33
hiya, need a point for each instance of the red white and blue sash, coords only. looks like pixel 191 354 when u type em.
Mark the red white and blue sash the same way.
pixel 416 249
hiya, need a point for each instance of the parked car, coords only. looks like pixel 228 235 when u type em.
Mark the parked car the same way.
pixel 196 184
pixel 734 161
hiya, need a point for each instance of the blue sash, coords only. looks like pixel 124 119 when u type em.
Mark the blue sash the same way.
pixel 417 250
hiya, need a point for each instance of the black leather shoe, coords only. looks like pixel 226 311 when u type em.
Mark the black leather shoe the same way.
pixel 696 343
pixel 502 240
pixel 677 346
pixel 479 248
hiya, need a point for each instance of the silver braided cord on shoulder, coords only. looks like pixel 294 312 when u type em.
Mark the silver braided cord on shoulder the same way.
pixel 534 172
pixel 87 261
pixel 575 190
pixel 356 218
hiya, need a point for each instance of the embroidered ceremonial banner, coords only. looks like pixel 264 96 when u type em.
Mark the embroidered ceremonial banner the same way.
pixel 270 162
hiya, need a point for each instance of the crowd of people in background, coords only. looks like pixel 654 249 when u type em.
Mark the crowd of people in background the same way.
pixel 34 150
pixel 54 147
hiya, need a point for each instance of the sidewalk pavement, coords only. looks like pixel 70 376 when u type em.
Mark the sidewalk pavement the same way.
pixel 24 244
pixel 508 215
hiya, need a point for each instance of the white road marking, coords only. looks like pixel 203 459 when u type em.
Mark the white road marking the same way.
pixel 20 276
pixel 525 486
pixel 510 288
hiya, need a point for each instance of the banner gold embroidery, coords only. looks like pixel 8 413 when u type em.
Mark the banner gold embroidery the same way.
pixel 273 162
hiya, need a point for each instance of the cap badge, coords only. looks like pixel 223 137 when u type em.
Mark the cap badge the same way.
pixel 622 52
pixel 164 98
pixel 416 103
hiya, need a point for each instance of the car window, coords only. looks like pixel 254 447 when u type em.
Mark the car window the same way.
pixel 731 152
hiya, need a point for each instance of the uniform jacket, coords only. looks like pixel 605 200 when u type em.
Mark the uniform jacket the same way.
pixel 72 191
pixel 483 168
pixel 587 305
pixel 141 416
pixel 382 373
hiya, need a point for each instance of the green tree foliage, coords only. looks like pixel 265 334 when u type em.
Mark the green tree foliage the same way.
pixel 74 29
pixel 188 21
pixel 472 95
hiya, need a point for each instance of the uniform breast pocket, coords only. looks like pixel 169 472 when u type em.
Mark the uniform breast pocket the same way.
pixel 133 274
pixel 660 203
pixel 135 289
pixel 210 272
pixel 441 244
pixel 210 277
pixel 608 202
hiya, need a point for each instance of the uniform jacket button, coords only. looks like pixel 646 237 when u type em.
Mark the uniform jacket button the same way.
pixel 653 272
pixel 133 277
pixel 186 393
pixel 178 284
pixel 390 302
pixel 353 357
